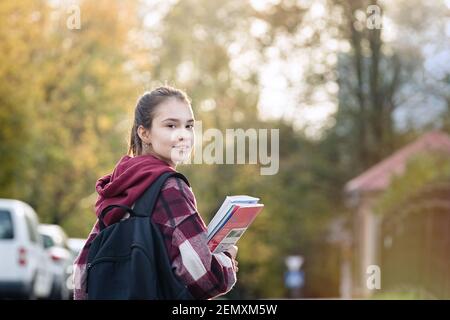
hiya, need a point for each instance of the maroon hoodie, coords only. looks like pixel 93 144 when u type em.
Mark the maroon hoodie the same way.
pixel 130 178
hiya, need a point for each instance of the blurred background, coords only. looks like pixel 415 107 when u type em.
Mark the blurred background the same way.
pixel 360 91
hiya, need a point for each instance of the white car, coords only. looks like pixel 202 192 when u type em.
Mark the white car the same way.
pixel 24 267
pixel 75 245
pixel 55 242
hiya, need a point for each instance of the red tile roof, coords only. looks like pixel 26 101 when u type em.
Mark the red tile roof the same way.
pixel 378 176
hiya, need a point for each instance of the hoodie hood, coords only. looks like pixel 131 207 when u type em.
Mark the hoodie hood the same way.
pixel 130 178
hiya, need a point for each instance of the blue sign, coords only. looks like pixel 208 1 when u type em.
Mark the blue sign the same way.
pixel 294 279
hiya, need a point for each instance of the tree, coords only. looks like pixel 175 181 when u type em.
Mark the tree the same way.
pixel 21 40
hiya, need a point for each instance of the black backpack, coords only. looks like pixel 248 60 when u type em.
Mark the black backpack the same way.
pixel 128 259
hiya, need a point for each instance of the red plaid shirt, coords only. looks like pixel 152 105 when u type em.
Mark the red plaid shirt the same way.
pixel 205 274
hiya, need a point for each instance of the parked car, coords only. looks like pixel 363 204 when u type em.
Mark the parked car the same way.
pixel 24 267
pixel 55 242
pixel 75 245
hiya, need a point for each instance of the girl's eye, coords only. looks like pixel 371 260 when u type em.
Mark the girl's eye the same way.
pixel 171 126
pixel 190 126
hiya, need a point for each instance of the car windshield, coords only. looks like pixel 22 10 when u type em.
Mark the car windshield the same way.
pixel 48 241
pixel 56 234
pixel 6 226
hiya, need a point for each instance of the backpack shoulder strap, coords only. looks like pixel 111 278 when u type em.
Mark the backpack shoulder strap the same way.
pixel 105 211
pixel 146 203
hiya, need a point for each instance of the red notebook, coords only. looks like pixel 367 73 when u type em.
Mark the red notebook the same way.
pixel 242 215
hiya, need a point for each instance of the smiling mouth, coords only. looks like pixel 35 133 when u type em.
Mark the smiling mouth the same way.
pixel 182 147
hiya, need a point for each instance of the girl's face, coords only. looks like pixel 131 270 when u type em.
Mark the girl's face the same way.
pixel 172 132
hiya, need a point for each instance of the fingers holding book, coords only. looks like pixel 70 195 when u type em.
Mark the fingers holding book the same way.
pixel 232 251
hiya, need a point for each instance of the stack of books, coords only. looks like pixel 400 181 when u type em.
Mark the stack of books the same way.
pixel 231 221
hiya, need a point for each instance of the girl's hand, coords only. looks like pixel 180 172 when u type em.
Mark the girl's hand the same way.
pixel 233 250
